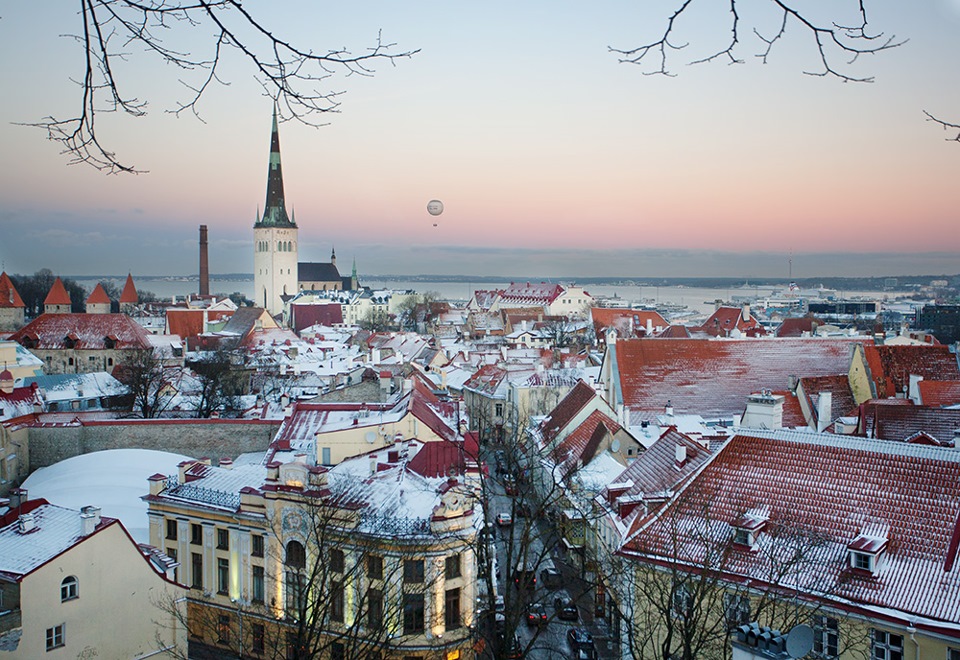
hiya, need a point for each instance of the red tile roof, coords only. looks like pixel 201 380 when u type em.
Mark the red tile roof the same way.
pixel 486 379
pixel 841 396
pixel 98 296
pixel 9 298
pixel 580 446
pixel 714 377
pixel 891 366
pixel 627 322
pixel 129 293
pixel 58 294
pixel 726 319
pixel 832 491
pixel 445 458
pixel 797 326
pixel 939 392
pixel 184 322
pixel 566 410
pixel 89 331
pixel 886 422
pixel 526 293
pixel 792 412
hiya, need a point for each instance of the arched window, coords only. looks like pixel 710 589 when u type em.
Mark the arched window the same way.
pixel 279 246
pixel 296 556
pixel 69 588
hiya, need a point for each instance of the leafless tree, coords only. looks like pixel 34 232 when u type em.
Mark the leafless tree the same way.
pixel 947 126
pixel 683 592
pixel 219 375
pixel 149 381
pixel 113 33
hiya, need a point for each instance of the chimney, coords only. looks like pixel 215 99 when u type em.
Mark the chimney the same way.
pixel 668 411
pixel 204 264
pixel 745 313
pixel 681 454
pixel 89 519
pixel 25 523
pixel 824 411
pixel 649 326
pixel 18 497
pixel 764 411
pixel 226 463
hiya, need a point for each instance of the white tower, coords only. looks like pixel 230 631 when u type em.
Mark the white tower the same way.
pixel 274 240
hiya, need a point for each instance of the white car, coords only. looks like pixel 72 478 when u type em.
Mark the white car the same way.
pixel 504 519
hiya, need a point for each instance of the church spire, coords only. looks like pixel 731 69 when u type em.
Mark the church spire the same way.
pixel 275 211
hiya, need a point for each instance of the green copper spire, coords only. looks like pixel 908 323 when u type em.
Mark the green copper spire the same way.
pixel 275 212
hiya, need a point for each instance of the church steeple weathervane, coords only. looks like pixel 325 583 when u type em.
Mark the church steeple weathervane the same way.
pixel 275 210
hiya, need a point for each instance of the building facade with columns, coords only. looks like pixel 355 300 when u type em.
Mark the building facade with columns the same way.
pixel 372 556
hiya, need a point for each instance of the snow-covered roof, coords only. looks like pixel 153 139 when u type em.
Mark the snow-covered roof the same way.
pixel 113 480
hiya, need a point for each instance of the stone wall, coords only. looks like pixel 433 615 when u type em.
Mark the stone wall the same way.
pixel 213 438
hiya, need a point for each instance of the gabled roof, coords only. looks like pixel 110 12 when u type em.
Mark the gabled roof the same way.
pixel 580 445
pixel 566 410
pixel 892 422
pixel 797 326
pixel 9 298
pixel 939 392
pixel 89 331
pixel 892 366
pixel 627 322
pixel 533 294
pixel 826 491
pixel 446 458
pixel 487 380
pixel 841 396
pixel 129 293
pixel 98 296
pixel 313 271
pixel 243 321
pixel 56 530
pixel 713 378
pixel 726 319
pixel 57 295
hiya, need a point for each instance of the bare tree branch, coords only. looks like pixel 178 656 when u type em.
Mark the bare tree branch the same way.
pixel 114 30
pixel 947 126
pixel 833 41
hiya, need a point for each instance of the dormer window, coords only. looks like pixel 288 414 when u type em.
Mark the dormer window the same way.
pixel 865 550
pixel 746 530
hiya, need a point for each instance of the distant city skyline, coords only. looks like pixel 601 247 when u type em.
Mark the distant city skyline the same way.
pixel 551 158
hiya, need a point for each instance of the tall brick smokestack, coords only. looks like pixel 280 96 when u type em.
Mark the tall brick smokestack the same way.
pixel 204 264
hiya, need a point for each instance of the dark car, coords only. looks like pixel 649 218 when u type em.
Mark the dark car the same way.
pixel 580 640
pixel 536 615
pixel 551 578
pixel 516 649
pixel 566 609
pixel 524 577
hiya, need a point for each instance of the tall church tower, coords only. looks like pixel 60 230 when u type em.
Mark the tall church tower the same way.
pixel 274 240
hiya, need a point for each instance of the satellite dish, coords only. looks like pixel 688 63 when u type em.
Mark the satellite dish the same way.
pixel 370 437
pixel 800 641
pixel 615 445
pixel 434 207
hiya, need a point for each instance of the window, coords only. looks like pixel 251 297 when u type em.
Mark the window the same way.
pixel 296 593
pixel 172 553
pixel 861 561
pixel 413 571
pixel 171 529
pixel 374 608
pixel 826 637
pixel 412 614
pixel 223 629
pixel 258 638
pixel 336 601
pixel 953 654
pixel 336 560
pixel 196 534
pixel 742 537
pixel 223 575
pixel 374 567
pixel 69 588
pixel 257 591
pixel 295 557
pixel 452 569
pixel 257 545
pixel 736 610
pixel 498 409
pixel 451 613
pixel 886 646
pixel 56 637
pixel 196 573
pixel 681 601
pixel 223 539
pixel 337 651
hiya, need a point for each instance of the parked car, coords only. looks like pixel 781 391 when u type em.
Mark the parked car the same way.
pixel 566 608
pixel 525 576
pixel 550 577
pixel 580 640
pixel 536 615
pixel 509 486
pixel 516 649
pixel 504 519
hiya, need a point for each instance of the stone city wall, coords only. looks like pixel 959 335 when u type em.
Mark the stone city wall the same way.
pixel 213 438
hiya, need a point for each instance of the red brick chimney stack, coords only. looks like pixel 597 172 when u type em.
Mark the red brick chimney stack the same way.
pixel 204 264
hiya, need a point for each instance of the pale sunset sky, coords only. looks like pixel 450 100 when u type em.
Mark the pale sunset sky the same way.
pixel 552 158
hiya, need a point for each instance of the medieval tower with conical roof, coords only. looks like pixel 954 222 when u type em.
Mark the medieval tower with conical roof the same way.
pixel 274 240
